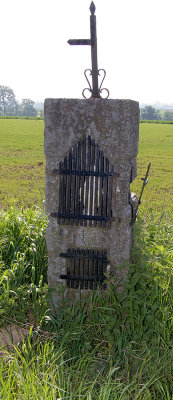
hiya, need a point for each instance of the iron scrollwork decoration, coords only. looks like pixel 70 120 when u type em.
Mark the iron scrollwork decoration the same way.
pixel 100 89
pixel 94 89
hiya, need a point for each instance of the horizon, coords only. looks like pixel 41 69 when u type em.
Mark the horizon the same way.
pixel 157 104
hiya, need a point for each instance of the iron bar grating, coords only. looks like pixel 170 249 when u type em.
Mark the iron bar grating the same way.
pixel 85 268
pixel 85 190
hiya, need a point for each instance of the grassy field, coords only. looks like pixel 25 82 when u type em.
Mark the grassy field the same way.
pixel 22 167
pixel 114 346
pixel 156 146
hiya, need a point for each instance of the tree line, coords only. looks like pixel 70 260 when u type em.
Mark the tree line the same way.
pixel 10 106
pixel 151 113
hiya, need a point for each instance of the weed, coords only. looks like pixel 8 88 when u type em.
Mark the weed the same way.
pixel 112 346
pixel 23 268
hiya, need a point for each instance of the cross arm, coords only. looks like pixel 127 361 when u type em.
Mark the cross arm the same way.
pixel 85 42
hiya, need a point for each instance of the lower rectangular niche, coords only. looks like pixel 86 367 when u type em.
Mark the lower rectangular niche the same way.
pixel 85 268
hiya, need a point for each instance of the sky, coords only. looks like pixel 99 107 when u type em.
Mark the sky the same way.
pixel 134 47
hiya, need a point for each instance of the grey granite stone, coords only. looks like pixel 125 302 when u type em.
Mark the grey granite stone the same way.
pixel 114 125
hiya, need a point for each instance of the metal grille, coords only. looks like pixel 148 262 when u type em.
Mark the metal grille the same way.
pixel 85 192
pixel 85 268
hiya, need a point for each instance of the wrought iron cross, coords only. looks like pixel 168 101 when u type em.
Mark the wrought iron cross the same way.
pixel 95 90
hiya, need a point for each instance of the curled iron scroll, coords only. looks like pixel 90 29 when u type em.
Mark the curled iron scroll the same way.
pixel 90 88
pixel 100 89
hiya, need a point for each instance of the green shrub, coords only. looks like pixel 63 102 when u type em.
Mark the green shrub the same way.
pixel 19 117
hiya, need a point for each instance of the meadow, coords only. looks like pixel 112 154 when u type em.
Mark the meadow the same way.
pixel 22 166
pixel 156 146
pixel 116 346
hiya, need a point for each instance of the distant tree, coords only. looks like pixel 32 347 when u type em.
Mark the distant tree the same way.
pixel 8 103
pixel 39 106
pixel 27 108
pixel 168 115
pixel 40 112
pixel 150 113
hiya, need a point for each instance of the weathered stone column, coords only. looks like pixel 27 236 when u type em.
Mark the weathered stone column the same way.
pixel 114 126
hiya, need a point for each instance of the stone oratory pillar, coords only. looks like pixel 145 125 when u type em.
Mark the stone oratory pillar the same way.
pixel 91 148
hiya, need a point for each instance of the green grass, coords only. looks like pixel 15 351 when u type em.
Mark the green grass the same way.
pixel 114 346
pixel 156 146
pixel 22 168
pixel 23 257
